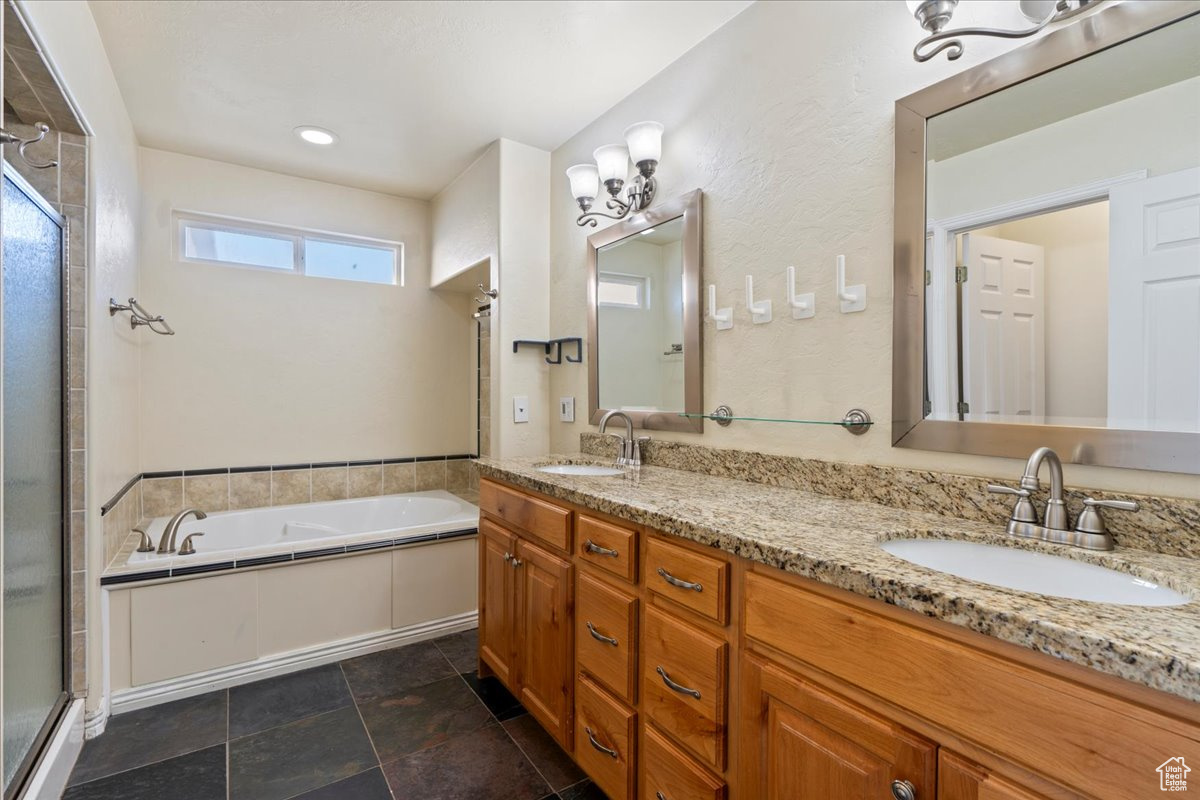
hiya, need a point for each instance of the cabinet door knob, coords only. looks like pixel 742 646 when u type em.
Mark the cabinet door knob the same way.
pixel 507 557
pixel 592 547
pixel 608 751
pixel 679 583
pixel 598 636
pixel 516 562
pixel 903 790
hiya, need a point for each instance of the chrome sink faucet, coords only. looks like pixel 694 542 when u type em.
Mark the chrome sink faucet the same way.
pixel 167 543
pixel 630 454
pixel 1089 532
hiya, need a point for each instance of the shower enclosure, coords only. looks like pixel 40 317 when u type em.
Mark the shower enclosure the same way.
pixel 33 625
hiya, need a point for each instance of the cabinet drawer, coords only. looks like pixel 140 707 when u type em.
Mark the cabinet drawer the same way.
pixel 606 635
pixel 605 739
pixel 544 521
pixel 612 548
pixel 684 684
pixel 698 582
pixel 669 773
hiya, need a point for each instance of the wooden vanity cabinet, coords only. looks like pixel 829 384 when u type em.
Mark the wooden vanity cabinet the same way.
pixel 497 600
pixel 961 779
pixel 545 656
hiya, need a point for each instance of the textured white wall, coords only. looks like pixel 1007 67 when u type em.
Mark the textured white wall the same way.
pixel 465 218
pixel 785 117
pixel 67 33
pixel 269 368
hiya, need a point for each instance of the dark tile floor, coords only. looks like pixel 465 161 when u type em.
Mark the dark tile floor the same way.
pixel 412 723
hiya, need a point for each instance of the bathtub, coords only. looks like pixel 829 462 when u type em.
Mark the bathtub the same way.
pixel 312 527
pixel 274 590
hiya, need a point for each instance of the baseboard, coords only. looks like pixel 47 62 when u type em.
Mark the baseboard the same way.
pixel 49 779
pixel 223 677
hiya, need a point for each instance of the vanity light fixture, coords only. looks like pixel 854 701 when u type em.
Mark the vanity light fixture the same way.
pixel 643 146
pixel 315 135
pixel 934 16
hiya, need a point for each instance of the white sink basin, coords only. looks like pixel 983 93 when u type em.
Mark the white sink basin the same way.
pixel 1029 571
pixel 590 470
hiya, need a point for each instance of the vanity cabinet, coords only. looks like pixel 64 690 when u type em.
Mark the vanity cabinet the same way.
pixel 962 779
pixel 526 606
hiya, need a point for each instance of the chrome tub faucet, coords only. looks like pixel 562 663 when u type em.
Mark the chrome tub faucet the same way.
pixel 167 543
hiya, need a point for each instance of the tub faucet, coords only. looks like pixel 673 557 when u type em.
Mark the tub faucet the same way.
pixel 631 447
pixel 167 543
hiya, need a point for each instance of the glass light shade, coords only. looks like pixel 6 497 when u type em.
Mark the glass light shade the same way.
pixel 612 161
pixel 1037 11
pixel 645 141
pixel 585 181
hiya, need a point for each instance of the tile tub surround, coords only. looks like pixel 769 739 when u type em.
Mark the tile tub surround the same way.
pixel 835 541
pixel 1163 525
pixel 312 735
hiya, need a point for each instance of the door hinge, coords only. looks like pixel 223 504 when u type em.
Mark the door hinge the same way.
pixel 964 408
pixel 928 278
pixel 928 407
pixel 960 274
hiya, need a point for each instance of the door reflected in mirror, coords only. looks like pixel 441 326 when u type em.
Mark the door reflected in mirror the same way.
pixel 1063 245
pixel 639 313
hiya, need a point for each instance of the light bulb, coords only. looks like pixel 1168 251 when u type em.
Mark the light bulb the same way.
pixel 585 181
pixel 645 141
pixel 612 162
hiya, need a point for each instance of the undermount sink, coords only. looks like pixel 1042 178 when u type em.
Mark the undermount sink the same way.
pixel 1030 571
pixel 589 470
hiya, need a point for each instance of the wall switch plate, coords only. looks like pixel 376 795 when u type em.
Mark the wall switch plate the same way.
pixel 566 409
pixel 520 409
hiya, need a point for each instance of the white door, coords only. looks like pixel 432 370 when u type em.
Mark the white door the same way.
pixel 1154 303
pixel 1004 328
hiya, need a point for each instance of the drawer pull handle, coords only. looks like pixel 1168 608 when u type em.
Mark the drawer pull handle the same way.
pixel 659 796
pixel 903 790
pixel 592 547
pixel 600 637
pixel 682 584
pixel 675 686
pixel 606 750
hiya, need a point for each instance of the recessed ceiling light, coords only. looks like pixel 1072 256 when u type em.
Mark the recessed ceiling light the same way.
pixel 315 135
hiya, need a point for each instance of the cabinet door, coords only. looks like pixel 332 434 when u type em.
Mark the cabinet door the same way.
pixel 801 741
pixel 961 779
pixel 545 643
pixel 497 600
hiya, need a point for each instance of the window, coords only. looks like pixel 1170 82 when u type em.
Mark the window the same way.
pixel 622 291
pixel 219 240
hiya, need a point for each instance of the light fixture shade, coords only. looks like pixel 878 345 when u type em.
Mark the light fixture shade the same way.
pixel 645 141
pixel 1037 11
pixel 612 161
pixel 585 181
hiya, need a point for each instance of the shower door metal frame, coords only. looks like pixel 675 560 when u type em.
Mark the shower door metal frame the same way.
pixel 29 762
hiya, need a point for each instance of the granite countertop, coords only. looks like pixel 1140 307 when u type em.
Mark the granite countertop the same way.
pixel 835 541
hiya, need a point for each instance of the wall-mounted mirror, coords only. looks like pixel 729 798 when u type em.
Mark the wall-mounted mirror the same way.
pixel 644 317
pixel 1048 249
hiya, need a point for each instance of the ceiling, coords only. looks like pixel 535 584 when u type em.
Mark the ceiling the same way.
pixel 414 90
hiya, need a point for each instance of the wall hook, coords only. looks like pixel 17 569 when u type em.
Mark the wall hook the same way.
pixel 723 316
pixel 23 144
pixel 760 312
pixel 853 298
pixel 803 305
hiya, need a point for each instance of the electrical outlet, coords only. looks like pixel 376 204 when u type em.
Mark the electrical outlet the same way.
pixel 520 409
pixel 566 409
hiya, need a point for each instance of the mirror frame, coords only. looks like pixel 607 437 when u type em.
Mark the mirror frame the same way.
pixel 688 207
pixel 1154 450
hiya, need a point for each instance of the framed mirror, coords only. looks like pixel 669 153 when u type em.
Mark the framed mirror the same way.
pixel 1047 254
pixel 644 317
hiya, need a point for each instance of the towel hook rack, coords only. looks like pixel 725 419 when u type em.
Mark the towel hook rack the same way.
pixel 140 316
pixel 23 144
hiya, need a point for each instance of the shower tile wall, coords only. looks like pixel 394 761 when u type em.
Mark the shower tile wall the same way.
pixel 31 95
pixel 485 387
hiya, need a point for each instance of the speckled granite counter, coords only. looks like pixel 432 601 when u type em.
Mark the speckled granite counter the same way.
pixel 835 541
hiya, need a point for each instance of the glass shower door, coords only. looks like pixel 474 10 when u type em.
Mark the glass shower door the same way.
pixel 33 633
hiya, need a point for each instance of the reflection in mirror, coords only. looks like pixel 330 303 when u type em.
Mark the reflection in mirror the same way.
pixel 639 299
pixel 1063 244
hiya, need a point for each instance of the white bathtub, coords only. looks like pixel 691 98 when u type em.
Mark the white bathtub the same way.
pixel 312 527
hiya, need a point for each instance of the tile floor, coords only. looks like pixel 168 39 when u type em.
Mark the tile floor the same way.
pixel 412 723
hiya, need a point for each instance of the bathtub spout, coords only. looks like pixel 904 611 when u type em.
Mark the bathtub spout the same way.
pixel 167 543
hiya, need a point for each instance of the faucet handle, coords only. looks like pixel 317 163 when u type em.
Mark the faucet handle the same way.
pixel 1090 520
pixel 146 545
pixel 187 548
pixel 1023 511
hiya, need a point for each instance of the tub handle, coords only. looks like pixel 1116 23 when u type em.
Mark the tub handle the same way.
pixel 146 545
pixel 187 548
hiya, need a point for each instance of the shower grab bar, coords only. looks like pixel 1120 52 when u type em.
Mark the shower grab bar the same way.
pixel 140 316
